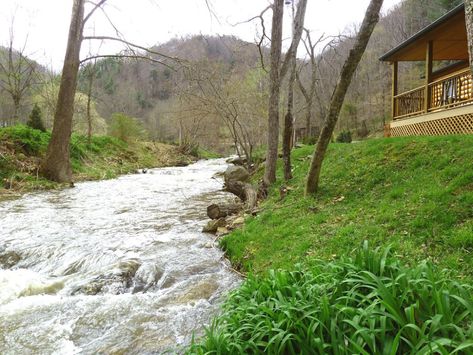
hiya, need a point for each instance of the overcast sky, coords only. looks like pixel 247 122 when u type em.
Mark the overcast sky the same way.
pixel 43 24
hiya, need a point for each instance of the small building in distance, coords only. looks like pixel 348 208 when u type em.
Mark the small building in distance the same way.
pixel 444 103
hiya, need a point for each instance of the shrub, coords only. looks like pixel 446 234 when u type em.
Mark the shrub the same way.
pixel 363 131
pixel 125 128
pixel 35 120
pixel 309 140
pixel 30 141
pixel 367 305
pixel 344 137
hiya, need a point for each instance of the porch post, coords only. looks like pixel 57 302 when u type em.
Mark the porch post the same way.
pixel 428 75
pixel 395 70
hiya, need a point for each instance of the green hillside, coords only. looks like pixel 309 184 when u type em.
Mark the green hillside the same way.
pixel 415 194
pixel 354 278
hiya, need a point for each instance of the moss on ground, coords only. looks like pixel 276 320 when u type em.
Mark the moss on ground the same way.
pixel 415 194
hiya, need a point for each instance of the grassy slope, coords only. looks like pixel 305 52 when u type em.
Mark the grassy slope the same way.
pixel 415 194
pixel 22 148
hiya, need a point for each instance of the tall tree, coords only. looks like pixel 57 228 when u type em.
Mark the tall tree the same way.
pixel 57 166
pixel 17 74
pixel 469 28
pixel 90 72
pixel 346 75
pixel 309 93
pixel 297 28
pixel 274 91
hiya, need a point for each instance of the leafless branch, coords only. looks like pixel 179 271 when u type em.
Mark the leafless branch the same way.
pixel 131 56
pixel 264 36
pixel 97 6
pixel 103 38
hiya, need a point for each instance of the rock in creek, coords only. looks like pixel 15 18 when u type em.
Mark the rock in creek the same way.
pixel 213 225
pixel 237 222
pixel 145 277
pixel 221 231
pixel 236 161
pixel 216 211
pixel 121 280
pixel 236 173
pixel 203 290
pixel 8 259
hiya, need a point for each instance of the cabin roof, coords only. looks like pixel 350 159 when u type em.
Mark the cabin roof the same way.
pixel 448 34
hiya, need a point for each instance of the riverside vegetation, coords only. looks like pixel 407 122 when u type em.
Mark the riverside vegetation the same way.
pixel 104 157
pixel 410 197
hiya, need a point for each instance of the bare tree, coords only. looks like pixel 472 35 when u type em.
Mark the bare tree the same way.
pixel 469 28
pixel 291 63
pixel 309 93
pixel 90 76
pixel 215 91
pixel 346 75
pixel 17 74
pixel 274 90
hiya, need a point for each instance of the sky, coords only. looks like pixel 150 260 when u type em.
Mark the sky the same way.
pixel 41 26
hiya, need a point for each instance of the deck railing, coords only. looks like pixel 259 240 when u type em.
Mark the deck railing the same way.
pixel 451 91
pixel 447 92
pixel 409 103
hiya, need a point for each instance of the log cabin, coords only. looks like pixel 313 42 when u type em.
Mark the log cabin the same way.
pixel 443 104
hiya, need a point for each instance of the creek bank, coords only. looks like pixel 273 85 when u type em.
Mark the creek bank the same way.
pixel 226 217
pixel 22 150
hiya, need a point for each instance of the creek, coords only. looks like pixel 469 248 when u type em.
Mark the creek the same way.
pixel 117 266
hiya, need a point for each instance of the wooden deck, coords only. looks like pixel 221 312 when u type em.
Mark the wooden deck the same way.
pixel 444 106
pixel 447 92
pixel 457 120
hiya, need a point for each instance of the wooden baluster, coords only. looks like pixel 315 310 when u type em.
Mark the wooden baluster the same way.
pixel 428 75
pixel 395 90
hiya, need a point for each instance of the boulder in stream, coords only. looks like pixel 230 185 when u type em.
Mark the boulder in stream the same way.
pixel 213 225
pixel 236 173
pixel 8 259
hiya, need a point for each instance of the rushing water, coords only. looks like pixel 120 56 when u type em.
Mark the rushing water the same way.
pixel 114 267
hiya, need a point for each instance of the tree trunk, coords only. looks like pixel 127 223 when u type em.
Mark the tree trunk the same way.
pixel 16 109
pixel 245 191
pixel 469 29
pixel 346 75
pixel 274 87
pixel 313 87
pixel 57 165
pixel 308 118
pixel 298 25
pixel 217 211
pixel 89 102
pixel 235 182
pixel 288 128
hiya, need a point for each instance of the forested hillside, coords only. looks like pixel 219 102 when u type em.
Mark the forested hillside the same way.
pixel 216 94
pixel 221 83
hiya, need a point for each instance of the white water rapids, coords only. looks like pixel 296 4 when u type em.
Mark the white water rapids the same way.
pixel 114 267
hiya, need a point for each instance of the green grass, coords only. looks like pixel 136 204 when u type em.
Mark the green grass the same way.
pixel 207 154
pixel 368 304
pixel 415 194
pixel 22 148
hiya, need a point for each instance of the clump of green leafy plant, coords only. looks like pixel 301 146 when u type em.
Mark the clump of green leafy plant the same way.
pixel 31 141
pixel 35 120
pixel 369 304
pixel 344 137
pixel 125 128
